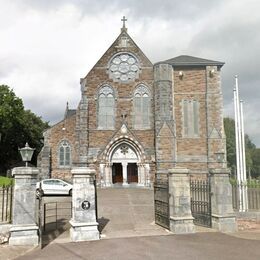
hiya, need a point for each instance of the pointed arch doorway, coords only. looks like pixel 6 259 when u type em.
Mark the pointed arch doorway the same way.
pixel 124 162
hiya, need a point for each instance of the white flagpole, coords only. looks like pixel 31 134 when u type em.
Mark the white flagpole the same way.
pixel 244 157
pixel 236 132
pixel 238 143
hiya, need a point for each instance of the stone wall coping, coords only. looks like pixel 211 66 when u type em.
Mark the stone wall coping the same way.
pixel 224 216
pixel 82 224
pixel 182 218
pixel 178 171
pixel 18 171
pixel 83 171
pixel 220 171
pixel 23 227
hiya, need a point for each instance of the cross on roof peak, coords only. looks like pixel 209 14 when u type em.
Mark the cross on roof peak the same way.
pixel 123 20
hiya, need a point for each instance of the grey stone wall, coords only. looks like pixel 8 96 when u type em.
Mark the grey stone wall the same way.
pixel 164 118
pixel 83 223
pixel 215 125
pixel 24 230
pixel 181 220
pixel 223 217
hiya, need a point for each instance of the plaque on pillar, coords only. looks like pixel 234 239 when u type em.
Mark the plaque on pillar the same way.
pixel 84 224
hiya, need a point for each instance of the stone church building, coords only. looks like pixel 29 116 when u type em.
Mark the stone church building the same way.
pixel 135 119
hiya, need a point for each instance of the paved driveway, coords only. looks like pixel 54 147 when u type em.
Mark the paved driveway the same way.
pixel 127 212
pixel 213 246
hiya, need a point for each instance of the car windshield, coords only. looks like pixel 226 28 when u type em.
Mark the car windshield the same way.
pixel 56 182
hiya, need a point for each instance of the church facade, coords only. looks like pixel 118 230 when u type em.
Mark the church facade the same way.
pixel 136 120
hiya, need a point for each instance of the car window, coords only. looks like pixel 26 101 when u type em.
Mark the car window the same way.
pixel 48 182
pixel 57 182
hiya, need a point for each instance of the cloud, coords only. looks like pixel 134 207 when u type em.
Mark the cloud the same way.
pixel 145 9
pixel 47 46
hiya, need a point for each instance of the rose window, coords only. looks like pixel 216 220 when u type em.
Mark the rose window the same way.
pixel 124 67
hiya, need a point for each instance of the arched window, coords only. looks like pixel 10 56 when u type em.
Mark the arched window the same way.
pixel 141 107
pixel 106 108
pixel 64 154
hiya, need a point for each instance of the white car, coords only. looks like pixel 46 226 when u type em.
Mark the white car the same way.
pixel 53 186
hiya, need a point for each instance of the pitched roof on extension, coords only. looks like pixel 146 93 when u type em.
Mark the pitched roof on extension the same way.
pixel 185 60
pixel 70 112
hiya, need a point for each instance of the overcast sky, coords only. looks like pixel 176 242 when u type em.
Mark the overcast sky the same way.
pixel 46 46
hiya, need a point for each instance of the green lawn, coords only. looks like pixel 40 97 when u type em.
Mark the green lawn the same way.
pixel 4 181
pixel 250 183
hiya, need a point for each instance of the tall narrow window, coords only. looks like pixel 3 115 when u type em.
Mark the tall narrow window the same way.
pixel 64 154
pixel 190 118
pixel 141 107
pixel 106 108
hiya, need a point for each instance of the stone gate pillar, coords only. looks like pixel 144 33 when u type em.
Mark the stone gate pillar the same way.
pixel 181 220
pixel 223 217
pixel 24 230
pixel 84 224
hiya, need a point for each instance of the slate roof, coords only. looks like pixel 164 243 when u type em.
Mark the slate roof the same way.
pixel 185 60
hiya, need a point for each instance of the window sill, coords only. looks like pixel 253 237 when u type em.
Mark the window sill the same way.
pixel 106 129
pixel 64 167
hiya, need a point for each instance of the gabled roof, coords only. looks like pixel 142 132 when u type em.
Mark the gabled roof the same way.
pixel 114 48
pixel 69 112
pixel 185 60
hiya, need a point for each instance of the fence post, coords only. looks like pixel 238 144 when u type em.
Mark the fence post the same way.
pixel 84 224
pixel 24 230
pixel 223 217
pixel 181 220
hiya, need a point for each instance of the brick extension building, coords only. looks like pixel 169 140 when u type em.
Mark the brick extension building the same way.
pixel 136 119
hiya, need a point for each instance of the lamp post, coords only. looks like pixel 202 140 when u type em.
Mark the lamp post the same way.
pixel 26 153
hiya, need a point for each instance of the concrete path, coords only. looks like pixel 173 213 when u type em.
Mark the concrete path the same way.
pixel 127 212
pixel 193 246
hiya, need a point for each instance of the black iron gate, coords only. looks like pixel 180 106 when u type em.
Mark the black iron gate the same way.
pixel 161 202
pixel 6 199
pixel 53 218
pixel 201 202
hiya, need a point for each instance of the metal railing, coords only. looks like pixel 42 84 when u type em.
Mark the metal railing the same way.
pixel 161 202
pixel 252 191
pixel 201 202
pixel 6 200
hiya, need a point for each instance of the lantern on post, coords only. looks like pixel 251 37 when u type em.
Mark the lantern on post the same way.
pixel 26 153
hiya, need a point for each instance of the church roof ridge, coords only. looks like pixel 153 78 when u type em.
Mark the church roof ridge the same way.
pixel 187 60
pixel 123 32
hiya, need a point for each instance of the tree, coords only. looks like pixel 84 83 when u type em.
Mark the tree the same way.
pixel 255 168
pixel 229 125
pixel 17 126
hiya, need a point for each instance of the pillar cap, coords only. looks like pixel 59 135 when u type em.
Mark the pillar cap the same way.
pixel 19 171
pixel 219 171
pixel 83 171
pixel 178 170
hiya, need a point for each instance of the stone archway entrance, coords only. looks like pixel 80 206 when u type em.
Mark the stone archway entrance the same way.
pixel 124 165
